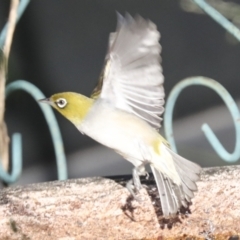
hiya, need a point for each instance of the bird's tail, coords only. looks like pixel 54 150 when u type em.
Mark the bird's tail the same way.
pixel 174 195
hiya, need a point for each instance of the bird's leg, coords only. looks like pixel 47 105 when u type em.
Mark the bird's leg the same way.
pixel 135 183
pixel 146 156
pixel 130 188
pixel 139 170
pixel 136 179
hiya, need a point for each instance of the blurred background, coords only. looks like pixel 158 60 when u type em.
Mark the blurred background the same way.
pixel 60 46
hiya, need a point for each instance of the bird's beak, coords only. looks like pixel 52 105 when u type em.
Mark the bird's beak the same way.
pixel 45 100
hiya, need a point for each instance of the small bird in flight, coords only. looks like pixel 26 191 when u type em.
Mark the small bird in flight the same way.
pixel 124 112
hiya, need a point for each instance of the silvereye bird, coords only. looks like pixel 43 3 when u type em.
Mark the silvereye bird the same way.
pixel 123 112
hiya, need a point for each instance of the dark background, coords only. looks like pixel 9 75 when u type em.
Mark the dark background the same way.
pixel 60 45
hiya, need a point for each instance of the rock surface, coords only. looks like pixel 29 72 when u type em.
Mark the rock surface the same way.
pixel 98 208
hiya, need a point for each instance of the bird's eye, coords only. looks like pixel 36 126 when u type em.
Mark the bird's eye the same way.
pixel 61 102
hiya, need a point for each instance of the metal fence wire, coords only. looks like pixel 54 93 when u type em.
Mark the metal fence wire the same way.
pixel 16 161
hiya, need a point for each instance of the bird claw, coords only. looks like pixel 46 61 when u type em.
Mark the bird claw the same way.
pixel 134 185
pixel 146 175
pixel 130 186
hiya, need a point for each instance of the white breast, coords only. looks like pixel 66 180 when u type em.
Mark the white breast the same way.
pixel 117 129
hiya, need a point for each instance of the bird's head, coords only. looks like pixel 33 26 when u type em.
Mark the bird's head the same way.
pixel 72 106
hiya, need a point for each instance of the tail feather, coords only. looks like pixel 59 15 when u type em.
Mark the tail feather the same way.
pixel 183 169
pixel 185 164
pixel 185 199
pixel 168 202
pixel 187 191
pixel 188 181
pixel 172 195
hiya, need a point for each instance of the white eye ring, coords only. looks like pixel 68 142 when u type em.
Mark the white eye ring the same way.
pixel 61 102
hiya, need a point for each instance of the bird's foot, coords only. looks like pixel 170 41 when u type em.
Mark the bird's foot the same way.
pixel 146 175
pixel 134 185
pixel 133 190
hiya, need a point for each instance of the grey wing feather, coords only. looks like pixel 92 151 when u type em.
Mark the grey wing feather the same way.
pixel 133 79
pixel 112 36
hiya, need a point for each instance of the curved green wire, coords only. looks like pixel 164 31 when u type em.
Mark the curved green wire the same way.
pixel 213 140
pixel 48 113
pixel 54 130
pixel 222 92
pixel 21 8
pixel 219 18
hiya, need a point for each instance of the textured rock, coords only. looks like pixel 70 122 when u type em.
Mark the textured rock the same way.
pixel 97 208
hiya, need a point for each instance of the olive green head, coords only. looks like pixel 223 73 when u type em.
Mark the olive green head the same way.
pixel 72 106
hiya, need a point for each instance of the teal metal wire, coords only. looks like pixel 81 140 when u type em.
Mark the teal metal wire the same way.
pixel 217 87
pixel 213 140
pixel 53 127
pixel 16 161
pixel 49 116
pixel 21 8
pixel 219 18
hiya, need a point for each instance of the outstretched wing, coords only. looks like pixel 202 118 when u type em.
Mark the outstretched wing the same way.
pixel 132 78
